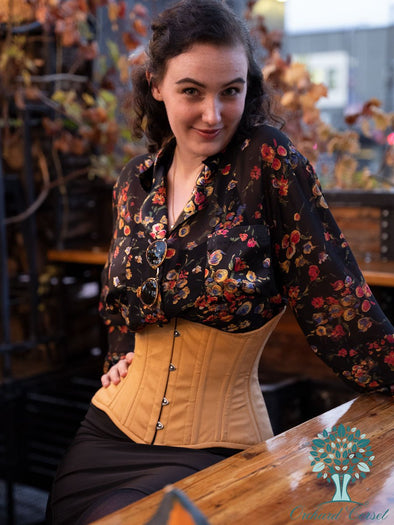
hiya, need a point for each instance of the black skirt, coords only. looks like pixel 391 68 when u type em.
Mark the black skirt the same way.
pixel 104 470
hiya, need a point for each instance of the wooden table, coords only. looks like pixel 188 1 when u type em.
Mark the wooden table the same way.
pixel 273 484
pixel 377 273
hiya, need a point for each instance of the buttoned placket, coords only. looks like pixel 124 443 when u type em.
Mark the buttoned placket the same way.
pixel 172 368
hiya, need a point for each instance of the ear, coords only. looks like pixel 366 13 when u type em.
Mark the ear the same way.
pixel 156 93
pixel 155 90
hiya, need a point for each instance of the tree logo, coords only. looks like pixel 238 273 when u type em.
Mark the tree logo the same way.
pixel 341 455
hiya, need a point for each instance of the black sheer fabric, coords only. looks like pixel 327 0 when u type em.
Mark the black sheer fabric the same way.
pixel 255 235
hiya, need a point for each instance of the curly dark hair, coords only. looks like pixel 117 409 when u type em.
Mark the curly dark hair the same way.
pixel 173 32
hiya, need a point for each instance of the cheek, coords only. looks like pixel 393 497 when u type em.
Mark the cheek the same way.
pixel 235 111
pixel 178 114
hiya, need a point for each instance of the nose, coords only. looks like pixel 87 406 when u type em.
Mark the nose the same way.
pixel 211 113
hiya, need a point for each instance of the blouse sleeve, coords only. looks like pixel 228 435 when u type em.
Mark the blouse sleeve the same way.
pixel 120 337
pixel 319 275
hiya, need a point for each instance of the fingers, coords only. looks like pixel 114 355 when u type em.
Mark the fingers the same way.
pixel 117 371
pixel 129 357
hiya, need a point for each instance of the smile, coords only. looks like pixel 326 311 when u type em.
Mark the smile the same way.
pixel 208 133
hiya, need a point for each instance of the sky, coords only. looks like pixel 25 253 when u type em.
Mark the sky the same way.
pixel 312 15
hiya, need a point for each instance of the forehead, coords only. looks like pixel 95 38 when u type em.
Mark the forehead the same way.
pixel 205 62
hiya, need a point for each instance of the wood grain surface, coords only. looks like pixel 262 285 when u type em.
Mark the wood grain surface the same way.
pixel 272 483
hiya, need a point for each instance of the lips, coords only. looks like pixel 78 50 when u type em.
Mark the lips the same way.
pixel 208 133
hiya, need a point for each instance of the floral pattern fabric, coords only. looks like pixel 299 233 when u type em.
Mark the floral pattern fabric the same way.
pixel 255 235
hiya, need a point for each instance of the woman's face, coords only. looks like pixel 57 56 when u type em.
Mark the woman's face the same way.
pixel 204 90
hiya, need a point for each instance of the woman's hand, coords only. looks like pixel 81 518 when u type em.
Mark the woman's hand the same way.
pixel 116 372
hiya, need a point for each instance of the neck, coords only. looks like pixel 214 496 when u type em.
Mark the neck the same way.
pixel 186 168
pixel 181 179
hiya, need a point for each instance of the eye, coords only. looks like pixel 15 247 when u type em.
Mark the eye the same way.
pixel 191 91
pixel 231 91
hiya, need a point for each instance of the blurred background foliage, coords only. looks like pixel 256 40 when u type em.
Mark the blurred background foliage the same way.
pixel 52 53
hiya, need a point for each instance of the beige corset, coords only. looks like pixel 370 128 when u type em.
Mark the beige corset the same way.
pixel 192 385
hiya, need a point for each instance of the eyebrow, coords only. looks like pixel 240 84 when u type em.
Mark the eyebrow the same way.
pixel 188 80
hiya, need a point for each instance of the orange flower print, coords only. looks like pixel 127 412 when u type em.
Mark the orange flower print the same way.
pixel 364 324
pixel 276 164
pixel 281 151
pixel 285 266
pixel 285 241
pixel 215 257
pixel 282 185
pixel 321 331
pixel 290 252
pixel 267 153
pixel 170 253
pixel 159 197
pixel 127 230
pixel 335 310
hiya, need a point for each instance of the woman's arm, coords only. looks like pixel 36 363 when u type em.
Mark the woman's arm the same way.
pixel 320 277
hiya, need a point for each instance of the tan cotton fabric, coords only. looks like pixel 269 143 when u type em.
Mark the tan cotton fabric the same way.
pixel 192 385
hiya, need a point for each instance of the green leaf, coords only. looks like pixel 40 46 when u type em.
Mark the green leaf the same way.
pixel 341 431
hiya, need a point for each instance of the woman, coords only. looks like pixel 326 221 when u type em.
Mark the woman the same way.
pixel 216 230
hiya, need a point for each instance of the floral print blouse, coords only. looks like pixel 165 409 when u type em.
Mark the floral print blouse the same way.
pixel 255 235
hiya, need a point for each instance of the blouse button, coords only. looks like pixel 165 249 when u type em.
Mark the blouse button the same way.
pixel 172 367
pixel 159 426
pixel 165 402
pixel 176 333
